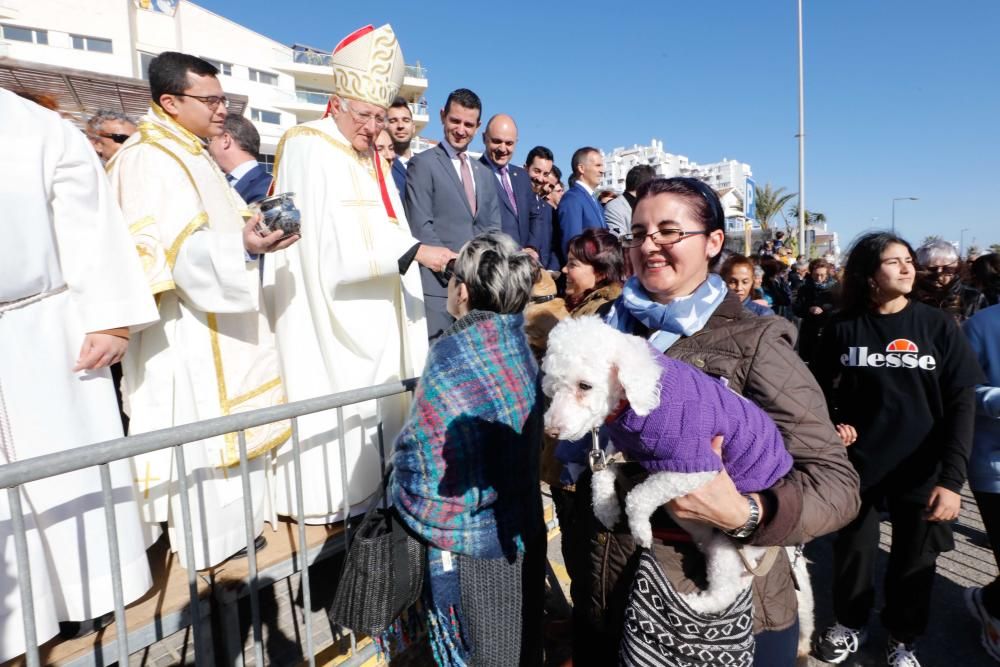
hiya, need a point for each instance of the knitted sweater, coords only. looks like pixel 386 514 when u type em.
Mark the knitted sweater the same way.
pixel 466 462
pixel 694 407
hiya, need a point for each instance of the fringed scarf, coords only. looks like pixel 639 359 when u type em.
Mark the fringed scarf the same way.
pixel 466 463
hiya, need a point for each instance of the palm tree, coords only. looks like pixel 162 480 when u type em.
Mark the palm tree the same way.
pixel 769 203
pixel 812 217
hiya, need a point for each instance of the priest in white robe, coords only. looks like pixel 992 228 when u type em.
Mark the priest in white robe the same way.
pixel 348 302
pixel 71 294
pixel 212 352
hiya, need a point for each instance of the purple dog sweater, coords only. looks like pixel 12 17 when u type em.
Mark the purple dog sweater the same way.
pixel 694 407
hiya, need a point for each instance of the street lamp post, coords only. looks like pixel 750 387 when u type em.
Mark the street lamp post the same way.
pixel 896 199
pixel 802 148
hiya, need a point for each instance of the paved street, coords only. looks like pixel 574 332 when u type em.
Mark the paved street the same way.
pixel 953 637
pixel 952 640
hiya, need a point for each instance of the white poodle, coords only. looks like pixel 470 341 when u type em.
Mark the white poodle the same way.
pixel 663 414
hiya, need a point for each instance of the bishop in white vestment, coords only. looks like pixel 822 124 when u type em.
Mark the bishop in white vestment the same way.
pixel 67 269
pixel 348 298
pixel 212 352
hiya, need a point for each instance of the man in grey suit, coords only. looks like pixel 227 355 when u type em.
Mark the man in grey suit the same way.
pixel 450 197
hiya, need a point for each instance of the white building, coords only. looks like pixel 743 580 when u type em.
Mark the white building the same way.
pixel 720 175
pixel 727 177
pixel 285 85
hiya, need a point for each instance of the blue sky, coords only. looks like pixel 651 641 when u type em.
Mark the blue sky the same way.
pixel 901 95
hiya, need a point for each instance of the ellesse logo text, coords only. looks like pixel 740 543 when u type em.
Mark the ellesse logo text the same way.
pixel 900 353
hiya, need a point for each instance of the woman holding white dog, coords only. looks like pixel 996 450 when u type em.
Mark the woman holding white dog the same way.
pixel 685 310
pixel 465 476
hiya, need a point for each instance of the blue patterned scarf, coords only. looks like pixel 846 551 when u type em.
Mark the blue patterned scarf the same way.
pixel 684 316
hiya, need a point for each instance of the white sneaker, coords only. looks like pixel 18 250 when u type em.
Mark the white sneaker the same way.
pixel 838 643
pixel 898 654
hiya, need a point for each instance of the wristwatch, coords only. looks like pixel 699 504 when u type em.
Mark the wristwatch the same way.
pixel 746 530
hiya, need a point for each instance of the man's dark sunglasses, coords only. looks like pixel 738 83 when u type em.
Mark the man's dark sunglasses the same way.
pixel 117 138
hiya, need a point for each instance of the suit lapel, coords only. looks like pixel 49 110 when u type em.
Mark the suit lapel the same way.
pixel 449 169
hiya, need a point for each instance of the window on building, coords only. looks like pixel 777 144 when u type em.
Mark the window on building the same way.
pixel 267 161
pixel 84 43
pixel 144 60
pixel 261 116
pixel 263 77
pixel 223 67
pixel 19 34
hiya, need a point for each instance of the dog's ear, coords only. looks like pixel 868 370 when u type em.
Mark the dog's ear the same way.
pixel 638 373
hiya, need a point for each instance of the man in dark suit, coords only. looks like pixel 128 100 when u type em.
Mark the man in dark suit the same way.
pixel 399 125
pixel 513 185
pixel 235 151
pixel 538 166
pixel 450 197
pixel 578 209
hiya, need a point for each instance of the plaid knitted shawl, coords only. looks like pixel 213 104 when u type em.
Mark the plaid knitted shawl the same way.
pixel 466 462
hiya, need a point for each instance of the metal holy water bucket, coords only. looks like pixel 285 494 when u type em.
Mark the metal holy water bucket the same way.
pixel 279 212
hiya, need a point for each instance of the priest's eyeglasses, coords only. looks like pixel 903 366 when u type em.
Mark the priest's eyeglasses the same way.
pixel 365 117
pixel 210 101
pixel 663 237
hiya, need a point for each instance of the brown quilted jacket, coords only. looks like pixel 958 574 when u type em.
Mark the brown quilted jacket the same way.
pixel 818 496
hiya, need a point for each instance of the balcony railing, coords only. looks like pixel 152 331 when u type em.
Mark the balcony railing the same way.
pixel 310 97
pixel 418 108
pixel 312 58
pixel 416 71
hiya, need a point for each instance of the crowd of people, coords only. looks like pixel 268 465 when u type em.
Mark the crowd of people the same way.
pixel 142 291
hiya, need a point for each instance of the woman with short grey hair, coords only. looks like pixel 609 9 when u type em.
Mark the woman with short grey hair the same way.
pixel 939 281
pixel 465 477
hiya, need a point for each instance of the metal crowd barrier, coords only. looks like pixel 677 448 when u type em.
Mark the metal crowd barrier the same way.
pixel 14 475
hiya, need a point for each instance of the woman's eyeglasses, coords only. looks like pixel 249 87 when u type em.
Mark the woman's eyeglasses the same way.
pixel 947 270
pixel 664 237
pixel 449 270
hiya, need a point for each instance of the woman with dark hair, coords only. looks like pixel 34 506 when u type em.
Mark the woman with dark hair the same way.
pixel 814 303
pixel 985 272
pixel 775 286
pixel 939 281
pixel 594 272
pixel 738 272
pixel 899 378
pixel 682 308
pixel 465 477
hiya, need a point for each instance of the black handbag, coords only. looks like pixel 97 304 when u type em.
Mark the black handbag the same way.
pixel 383 571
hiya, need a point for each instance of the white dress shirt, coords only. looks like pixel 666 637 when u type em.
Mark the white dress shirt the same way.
pixel 457 163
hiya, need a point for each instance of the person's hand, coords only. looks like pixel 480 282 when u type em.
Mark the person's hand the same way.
pixel 717 502
pixel 848 434
pixel 534 253
pixel 434 257
pixel 942 505
pixel 99 350
pixel 815 310
pixel 258 244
